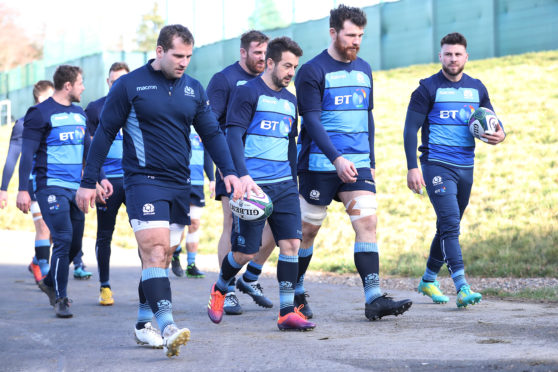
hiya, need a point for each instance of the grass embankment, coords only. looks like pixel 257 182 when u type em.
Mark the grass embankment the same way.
pixel 510 226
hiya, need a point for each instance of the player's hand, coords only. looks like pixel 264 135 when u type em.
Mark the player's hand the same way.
pixel 345 170
pixel 415 182
pixel 23 201
pixel 3 199
pixel 232 183
pixel 495 138
pixel 249 186
pixel 211 189
pixel 85 198
pixel 103 190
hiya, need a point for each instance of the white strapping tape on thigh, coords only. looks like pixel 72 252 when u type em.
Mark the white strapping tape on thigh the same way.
pixel 195 212
pixel 35 210
pixel 193 237
pixel 138 225
pixel 310 213
pixel 362 206
pixel 175 233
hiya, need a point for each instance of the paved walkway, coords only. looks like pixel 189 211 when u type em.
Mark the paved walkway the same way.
pixel 494 335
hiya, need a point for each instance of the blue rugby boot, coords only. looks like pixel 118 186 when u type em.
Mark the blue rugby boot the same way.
pixel 467 297
pixel 81 274
pixel 432 290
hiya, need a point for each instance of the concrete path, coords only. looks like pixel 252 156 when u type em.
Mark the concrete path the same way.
pixel 494 335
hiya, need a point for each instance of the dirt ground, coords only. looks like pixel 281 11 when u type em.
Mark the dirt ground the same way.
pixel 493 335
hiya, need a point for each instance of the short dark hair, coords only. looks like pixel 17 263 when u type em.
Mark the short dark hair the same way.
pixel 253 35
pixel 339 15
pixel 277 46
pixel 455 38
pixel 40 87
pixel 65 74
pixel 117 66
pixel 168 33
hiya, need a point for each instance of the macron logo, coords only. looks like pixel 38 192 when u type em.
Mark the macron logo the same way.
pixel 146 87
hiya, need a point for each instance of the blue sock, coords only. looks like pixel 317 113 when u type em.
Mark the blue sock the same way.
pixel 229 269
pixel 191 258
pixel 459 279
pixel 156 287
pixel 287 270
pixel 144 311
pixel 253 271
pixel 367 262
pixel 105 284
pixel 304 257
pixel 429 276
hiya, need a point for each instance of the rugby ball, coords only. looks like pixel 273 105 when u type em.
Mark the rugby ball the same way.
pixel 482 121
pixel 256 208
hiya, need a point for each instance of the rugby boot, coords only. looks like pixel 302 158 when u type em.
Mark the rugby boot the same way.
pixel 148 335
pixel 192 271
pixel 81 274
pixel 467 297
pixel 384 305
pixel 174 338
pixel 215 305
pixel 254 290
pixel 176 267
pixel 294 321
pixel 432 290
pixel 300 299
pixel 62 307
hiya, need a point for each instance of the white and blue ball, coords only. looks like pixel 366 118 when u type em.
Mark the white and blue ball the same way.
pixel 255 208
pixel 482 121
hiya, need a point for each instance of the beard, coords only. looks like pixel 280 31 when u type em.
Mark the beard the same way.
pixel 450 73
pixel 252 65
pixel 280 83
pixel 348 53
pixel 74 98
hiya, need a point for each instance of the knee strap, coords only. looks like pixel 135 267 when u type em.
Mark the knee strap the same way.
pixel 362 206
pixel 310 213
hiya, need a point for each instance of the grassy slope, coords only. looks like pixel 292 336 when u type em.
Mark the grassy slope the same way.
pixel 510 226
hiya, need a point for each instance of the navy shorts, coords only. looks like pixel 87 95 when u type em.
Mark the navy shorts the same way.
pixel 157 203
pixel 197 197
pixel 320 188
pixel 285 222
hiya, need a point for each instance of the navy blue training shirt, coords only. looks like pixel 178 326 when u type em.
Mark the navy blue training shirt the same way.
pixel 113 162
pixel 58 133
pixel 156 114
pixel 268 120
pixel 448 105
pixel 220 89
pixel 341 94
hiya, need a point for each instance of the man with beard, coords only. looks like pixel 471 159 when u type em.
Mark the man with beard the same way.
pixel 442 105
pixel 336 159
pixel 156 105
pixel 54 134
pixel 260 132
pixel 253 45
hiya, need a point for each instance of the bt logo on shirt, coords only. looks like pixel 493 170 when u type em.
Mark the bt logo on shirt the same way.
pixel 77 135
pixel 446 114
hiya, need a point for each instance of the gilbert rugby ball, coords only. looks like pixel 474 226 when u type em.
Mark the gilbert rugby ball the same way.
pixel 482 121
pixel 256 208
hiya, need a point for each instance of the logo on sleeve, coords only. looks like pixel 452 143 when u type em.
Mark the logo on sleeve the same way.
pixel 189 91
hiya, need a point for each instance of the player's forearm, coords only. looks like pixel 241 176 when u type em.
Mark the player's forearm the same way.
pixel 413 122
pixel 236 146
pixel 29 149
pixel 316 131
pixel 98 150
pixel 208 165
pixel 11 159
